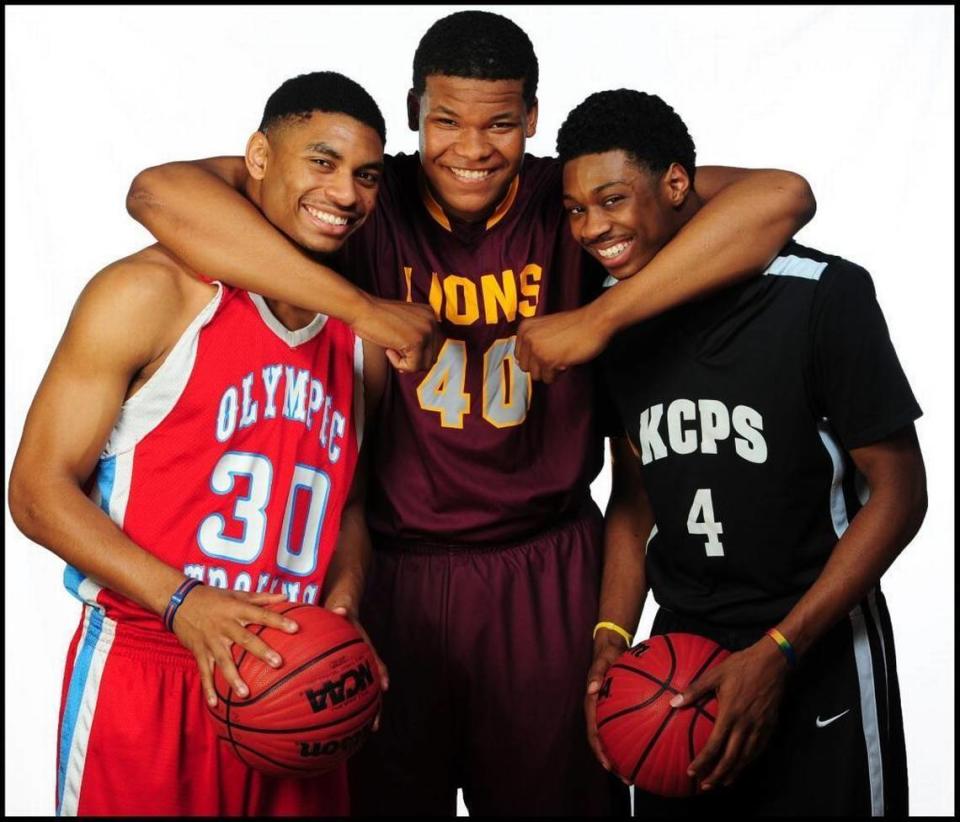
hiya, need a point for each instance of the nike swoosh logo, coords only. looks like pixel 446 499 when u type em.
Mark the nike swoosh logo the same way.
pixel 822 723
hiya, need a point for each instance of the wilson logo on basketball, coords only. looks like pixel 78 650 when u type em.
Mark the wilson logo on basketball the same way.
pixel 346 745
pixel 339 690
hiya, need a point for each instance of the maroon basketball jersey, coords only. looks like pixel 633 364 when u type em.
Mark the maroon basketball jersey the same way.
pixel 473 450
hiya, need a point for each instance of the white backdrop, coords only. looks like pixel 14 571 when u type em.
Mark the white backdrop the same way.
pixel 858 99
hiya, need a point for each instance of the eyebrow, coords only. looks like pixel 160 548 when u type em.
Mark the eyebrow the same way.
pixel 503 115
pixel 600 188
pixel 324 148
pixel 597 189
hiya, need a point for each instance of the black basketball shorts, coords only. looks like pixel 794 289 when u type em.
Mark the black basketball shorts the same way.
pixel 838 748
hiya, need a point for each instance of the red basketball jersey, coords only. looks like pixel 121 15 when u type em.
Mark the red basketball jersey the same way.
pixel 233 462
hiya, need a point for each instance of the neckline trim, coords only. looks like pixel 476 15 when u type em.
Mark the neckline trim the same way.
pixel 291 338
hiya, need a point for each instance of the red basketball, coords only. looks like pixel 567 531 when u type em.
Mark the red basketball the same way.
pixel 313 711
pixel 647 742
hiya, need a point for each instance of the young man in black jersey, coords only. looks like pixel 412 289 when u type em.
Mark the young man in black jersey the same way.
pixel 769 474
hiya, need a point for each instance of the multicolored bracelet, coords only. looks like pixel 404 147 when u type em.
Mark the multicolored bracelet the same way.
pixel 177 600
pixel 784 645
pixel 612 626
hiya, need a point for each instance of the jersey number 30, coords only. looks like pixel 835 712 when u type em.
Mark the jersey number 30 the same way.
pixel 251 511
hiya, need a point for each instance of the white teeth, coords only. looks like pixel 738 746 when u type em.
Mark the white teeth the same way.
pixel 470 174
pixel 326 217
pixel 613 251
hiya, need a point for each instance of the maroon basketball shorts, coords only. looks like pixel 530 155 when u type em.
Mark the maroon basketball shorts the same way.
pixel 135 739
pixel 838 749
pixel 488 651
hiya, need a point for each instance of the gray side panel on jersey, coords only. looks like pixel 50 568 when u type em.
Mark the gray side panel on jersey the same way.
pixel 358 390
pixel 794 266
pixel 861 641
pixel 146 409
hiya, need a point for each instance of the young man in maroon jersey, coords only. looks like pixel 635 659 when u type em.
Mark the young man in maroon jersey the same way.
pixel 483 591
pixel 142 467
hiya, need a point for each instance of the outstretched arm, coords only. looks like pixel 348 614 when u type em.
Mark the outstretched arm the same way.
pixel 747 219
pixel 749 684
pixel 199 212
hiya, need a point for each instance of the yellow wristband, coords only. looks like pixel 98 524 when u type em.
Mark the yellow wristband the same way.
pixel 612 626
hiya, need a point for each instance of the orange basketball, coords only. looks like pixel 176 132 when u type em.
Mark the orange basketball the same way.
pixel 647 742
pixel 312 712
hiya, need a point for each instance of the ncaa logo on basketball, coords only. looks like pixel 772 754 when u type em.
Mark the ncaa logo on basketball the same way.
pixel 339 690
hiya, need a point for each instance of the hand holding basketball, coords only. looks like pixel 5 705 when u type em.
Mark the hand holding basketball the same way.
pixel 607 647
pixel 211 620
pixel 749 686
pixel 343 604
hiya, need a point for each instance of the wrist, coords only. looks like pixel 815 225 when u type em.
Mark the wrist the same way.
pixel 359 304
pixel 611 634
pixel 775 643
pixel 605 316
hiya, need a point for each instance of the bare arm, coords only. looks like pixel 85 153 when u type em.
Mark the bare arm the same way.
pixel 343 587
pixel 748 217
pixel 749 684
pixel 627 525
pixel 119 326
pixel 198 210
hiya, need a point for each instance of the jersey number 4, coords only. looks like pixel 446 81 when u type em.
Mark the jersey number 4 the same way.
pixel 251 511
pixel 701 521
pixel 506 388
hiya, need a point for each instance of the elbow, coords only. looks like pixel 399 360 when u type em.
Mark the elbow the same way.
pixel 797 196
pixel 25 506
pixel 142 196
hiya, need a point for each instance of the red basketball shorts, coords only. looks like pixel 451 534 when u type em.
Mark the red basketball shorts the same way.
pixel 135 738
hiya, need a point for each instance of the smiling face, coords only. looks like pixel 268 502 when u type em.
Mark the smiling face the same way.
pixel 472 138
pixel 316 178
pixel 623 214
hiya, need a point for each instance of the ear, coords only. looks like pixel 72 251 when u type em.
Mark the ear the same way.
pixel 257 155
pixel 676 184
pixel 413 110
pixel 531 118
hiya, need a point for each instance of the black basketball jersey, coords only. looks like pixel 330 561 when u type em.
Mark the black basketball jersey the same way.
pixel 743 408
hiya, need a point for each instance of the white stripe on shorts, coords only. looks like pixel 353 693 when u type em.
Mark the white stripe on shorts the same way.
pixel 82 693
pixel 868 709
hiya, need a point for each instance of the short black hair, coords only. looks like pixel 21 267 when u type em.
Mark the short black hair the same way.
pixel 323 91
pixel 479 45
pixel 643 125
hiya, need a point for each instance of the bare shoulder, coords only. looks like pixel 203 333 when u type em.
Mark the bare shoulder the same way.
pixel 146 300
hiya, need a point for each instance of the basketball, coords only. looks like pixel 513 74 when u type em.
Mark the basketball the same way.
pixel 312 712
pixel 647 742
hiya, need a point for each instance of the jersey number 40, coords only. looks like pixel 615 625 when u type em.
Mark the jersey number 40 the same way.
pixel 506 388
pixel 251 511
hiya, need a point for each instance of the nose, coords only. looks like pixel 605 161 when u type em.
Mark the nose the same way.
pixel 595 225
pixel 473 145
pixel 342 191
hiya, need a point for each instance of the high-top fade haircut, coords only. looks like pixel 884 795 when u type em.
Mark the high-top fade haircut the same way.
pixel 325 91
pixel 644 126
pixel 478 45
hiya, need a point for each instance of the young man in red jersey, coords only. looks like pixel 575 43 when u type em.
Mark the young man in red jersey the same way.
pixel 187 433
pixel 483 589
pixel 767 475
